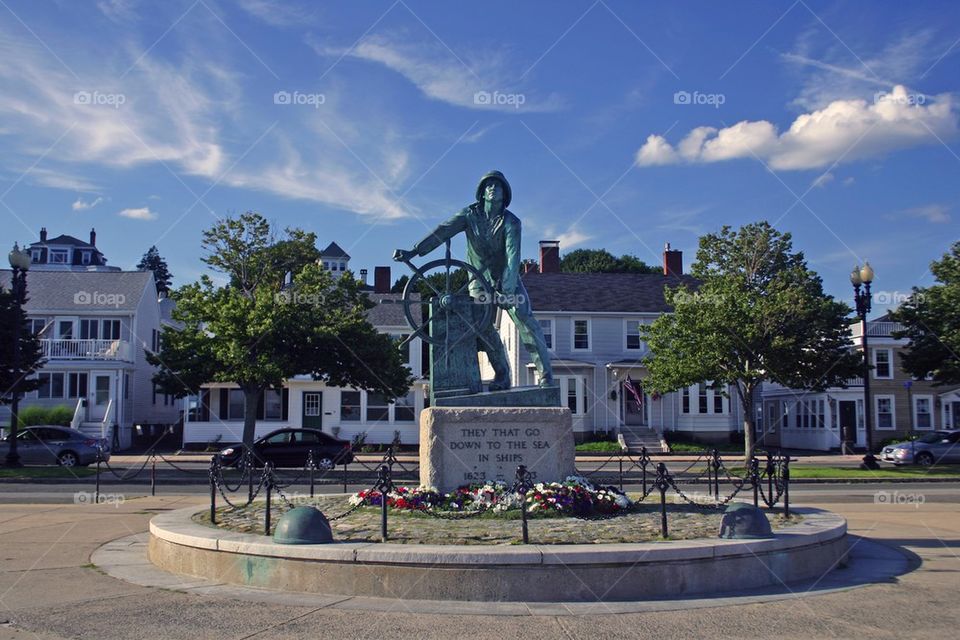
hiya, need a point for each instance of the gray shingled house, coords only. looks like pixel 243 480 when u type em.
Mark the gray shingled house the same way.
pixel 591 322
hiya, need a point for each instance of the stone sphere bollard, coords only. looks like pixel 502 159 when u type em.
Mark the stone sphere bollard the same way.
pixel 303 525
pixel 743 521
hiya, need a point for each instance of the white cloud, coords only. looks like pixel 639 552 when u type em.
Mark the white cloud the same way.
pixel 57 179
pixel 822 180
pixel 175 113
pixel 829 72
pixel 844 130
pixel 82 205
pixel 440 75
pixel 935 213
pixel 282 13
pixel 656 150
pixel 141 213
pixel 117 10
pixel 572 237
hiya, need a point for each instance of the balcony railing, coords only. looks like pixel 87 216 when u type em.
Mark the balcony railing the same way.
pixel 86 350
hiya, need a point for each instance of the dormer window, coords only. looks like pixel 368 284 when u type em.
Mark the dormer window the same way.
pixel 85 257
pixel 57 256
pixel 36 255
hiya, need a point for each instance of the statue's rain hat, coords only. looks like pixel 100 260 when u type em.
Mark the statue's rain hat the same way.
pixel 507 192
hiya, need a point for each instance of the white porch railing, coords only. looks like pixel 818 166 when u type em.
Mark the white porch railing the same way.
pixel 79 412
pixel 107 420
pixel 86 350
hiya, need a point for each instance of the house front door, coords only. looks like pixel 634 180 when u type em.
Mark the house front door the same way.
pixel 312 410
pixel 848 421
pixel 99 397
pixel 634 413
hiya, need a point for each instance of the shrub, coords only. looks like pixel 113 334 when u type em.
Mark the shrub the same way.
pixel 30 416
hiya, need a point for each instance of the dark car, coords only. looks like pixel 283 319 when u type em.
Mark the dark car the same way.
pixel 290 448
pixel 52 444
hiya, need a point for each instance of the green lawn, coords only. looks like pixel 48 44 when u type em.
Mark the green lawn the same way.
pixel 601 447
pixel 698 448
pixel 885 473
pixel 46 472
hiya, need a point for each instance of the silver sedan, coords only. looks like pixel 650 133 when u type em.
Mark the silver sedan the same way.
pixel 937 447
pixel 52 444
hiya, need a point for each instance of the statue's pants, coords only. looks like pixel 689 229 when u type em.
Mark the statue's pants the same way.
pixel 531 335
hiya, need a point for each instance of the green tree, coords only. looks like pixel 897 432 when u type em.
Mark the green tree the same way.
pixel 759 314
pixel 16 379
pixel 602 261
pixel 279 315
pixel 931 319
pixel 152 261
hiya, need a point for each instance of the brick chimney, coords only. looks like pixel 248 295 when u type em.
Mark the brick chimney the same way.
pixel 529 267
pixel 363 276
pixel 672 261
pixel 43 234
pixel 381 279
pixel 549 256
pixel 93 237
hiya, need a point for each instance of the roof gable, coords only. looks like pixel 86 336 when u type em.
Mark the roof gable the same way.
pixel 333 250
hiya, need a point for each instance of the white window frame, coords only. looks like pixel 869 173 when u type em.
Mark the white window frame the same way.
pixel 626 323
pixel 889 352
pixel 893 411
pixel 36 254
pixel 86 257
pixel 580 390
pixel 573 335
pixel 930 412
pixel 552 347
pixel 58 252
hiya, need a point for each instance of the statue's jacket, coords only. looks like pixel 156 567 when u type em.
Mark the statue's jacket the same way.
pixel 493 246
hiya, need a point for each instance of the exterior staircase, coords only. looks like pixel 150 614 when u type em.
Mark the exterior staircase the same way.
pixel 635 438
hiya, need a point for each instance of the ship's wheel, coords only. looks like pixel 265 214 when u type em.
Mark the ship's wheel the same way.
pixel 474 312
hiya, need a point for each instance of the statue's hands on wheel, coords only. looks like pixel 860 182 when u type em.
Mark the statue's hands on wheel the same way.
pixel 403 255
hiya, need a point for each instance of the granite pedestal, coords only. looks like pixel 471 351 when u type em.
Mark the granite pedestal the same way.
pixel 464 445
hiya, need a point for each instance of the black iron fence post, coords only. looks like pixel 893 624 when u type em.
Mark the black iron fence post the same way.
pixel 770 472
pixel 521 486
pixel 310 469
pixel 384 483
pixel 249 455
pixel 96 495
pixel 716 463
pixel 214 461
pixel 153 475
pixel 344 477
pixel 663 483
pixel 755 479
pixel 644 460
pixel 786 486
pixel 268 481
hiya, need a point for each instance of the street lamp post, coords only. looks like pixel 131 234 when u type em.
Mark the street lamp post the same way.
pixel 20 263
pixel 861 278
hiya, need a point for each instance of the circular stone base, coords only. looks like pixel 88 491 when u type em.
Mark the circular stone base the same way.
pixel 502 573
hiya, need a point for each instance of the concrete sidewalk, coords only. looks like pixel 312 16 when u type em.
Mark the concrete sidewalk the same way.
pixel 49 591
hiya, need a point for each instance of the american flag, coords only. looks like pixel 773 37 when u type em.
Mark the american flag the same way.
pixel 630 386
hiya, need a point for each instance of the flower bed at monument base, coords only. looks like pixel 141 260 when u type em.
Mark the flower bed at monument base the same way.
pixel 575 496
pixel 641 523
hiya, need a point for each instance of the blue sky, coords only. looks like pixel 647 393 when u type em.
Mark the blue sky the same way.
pixel 621 125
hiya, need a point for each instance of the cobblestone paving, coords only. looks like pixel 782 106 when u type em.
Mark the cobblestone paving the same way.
pixel 685 522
